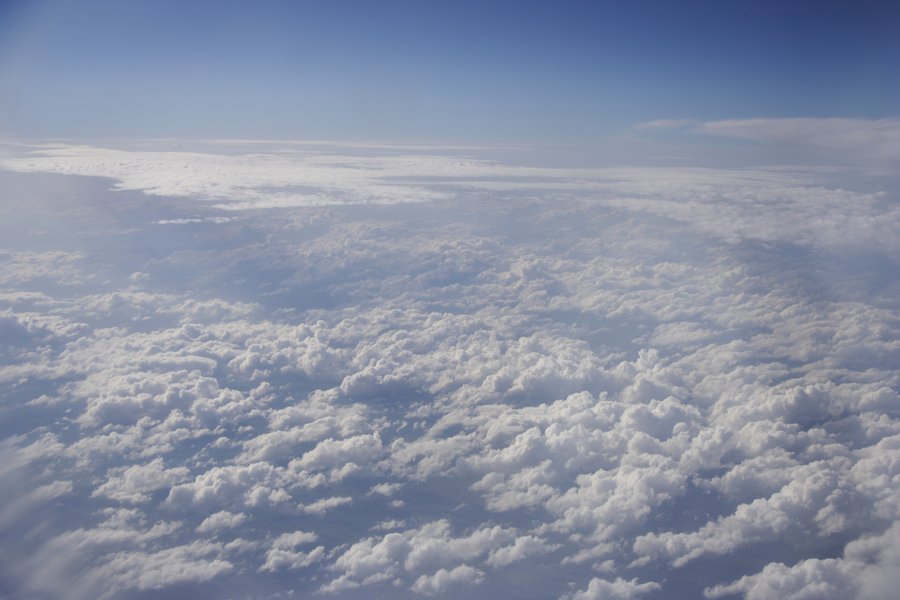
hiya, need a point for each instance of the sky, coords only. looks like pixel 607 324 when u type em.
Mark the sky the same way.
pixel 561 72
pixel 413 300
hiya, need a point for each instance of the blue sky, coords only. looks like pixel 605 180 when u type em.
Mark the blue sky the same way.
pixel 435 71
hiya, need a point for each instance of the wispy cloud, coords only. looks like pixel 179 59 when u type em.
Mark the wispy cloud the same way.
pixel 870 139
pixel 663 124
pixel 878 138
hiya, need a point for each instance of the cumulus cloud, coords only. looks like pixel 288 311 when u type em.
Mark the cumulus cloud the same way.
pixel 221 520
pixel 540 377
pixel 336 456
pixel 618 589
pixel 283 553
pixel 386 489
pixel 132 484
pixel 818 496
pixel 430 550
pixel 443 580
pixel 522 548
pixel 156 570
pixel 868 570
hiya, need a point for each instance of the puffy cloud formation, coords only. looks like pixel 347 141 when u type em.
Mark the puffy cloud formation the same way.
pixel 619 589
pixel 412 372
pixel 221 520
pixel 868 570
pixel 430 550
pixel 284 554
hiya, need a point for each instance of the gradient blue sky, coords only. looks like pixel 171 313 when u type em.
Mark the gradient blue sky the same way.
pixel 486 71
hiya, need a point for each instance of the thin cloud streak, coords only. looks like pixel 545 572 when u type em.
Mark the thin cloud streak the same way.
pixel 869 139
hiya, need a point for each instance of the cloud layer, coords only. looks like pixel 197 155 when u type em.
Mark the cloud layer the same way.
pixel 445 376
pixel 848 139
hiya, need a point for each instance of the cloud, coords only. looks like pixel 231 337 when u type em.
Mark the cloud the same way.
pixel 875 138
pixel 430 550
pixel 663 124
pixel 132 484
pixel 156 570
pixel 21 266
pixel 258 483
pixel 119 555
pixel 386 489
pixel 442 580
pixel 849 139
pixel 341 457
pixel 283 553
pixel 619 589
pixel 221 520
pixel 320 507
pixel 868 570
pixel 562 373
pixel 249 181
pixel 522 548
pixel 818 497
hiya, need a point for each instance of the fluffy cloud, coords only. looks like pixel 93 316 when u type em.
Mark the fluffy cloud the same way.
pixel 523 547
pixel 443 580
pixel 430 550
pixel 221 520
pixel 283 553
pixel 868 570
pixel 132 484
pixel 619 589
pixel 536 377
pixel 156 570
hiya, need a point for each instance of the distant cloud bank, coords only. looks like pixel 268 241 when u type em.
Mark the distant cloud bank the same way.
pixel 872 139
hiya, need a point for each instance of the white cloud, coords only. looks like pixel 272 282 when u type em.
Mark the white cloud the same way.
pixel 389 525
pixel 154 570
pixel 122 553
pixel 818 497
pixel 133 484
pixel 583 370
pixel 443 580
pixel 22 266
pixel 386 489
pixel 874 138
pixel 663 124
pixel 336 456
pixel 283 553
pixel 618 589
pixel 221 520
pixel 849 140
pixel 320 507
pixel 247 181
pixel 522 548
pixel 258 483
pixel 429 552
pixel 825 579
